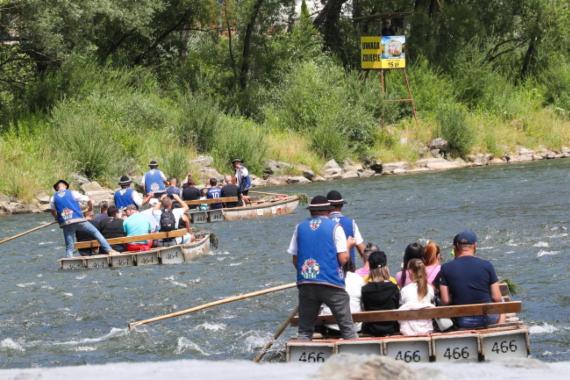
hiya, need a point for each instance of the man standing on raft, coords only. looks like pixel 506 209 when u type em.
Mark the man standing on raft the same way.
pixel 319 249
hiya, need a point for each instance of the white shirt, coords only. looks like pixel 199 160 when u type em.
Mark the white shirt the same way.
pixel 357 235
pixel 241 172
pixel 353 286
pixel 409 301
pixel 76 195
pixel 137 197
pixel 339 241
pixel 155 214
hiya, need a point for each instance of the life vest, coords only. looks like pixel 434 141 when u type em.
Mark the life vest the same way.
pixel 68 209
pixel 317 260
pixel 124 198
pixel 153 181
pixel 347 225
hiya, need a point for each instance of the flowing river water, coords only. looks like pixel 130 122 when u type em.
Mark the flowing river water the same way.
pixel 54 318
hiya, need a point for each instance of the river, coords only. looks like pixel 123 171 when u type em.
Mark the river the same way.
pixel 54 318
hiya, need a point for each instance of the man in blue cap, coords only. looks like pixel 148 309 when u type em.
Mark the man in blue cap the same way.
pixel 468 280
pixel 320 249
pixel 66 210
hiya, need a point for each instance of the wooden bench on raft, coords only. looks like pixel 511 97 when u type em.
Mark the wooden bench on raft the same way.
pixel 507 340
pixel 211 216
pixel 132 239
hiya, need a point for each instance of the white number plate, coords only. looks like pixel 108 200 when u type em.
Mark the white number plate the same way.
pixel 409 352
pixel 504 346
pixel 312 354
pixel 359 348
pixel 456 349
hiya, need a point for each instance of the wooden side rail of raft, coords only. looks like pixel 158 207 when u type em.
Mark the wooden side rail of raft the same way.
pixel 212 200
pixel 427 313
pixel 131 239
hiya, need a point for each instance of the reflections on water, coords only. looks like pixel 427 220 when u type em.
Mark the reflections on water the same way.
pixel 49 317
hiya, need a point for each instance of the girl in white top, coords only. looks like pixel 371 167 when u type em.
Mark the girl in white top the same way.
pixel 419 294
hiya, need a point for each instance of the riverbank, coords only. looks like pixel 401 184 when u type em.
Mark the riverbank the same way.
pixel 280 173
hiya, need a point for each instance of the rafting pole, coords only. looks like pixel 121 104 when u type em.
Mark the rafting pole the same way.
pixel 276 335
pixel 223 301
pixel 265 192
pixel 27 232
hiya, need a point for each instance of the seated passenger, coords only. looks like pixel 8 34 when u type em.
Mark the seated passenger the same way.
pixel 112 227
pixel 353 285
pixel 418 294
pixel 172 218
pixel 97 219
pixel 365 270
pixel 137 224
pixel 432 261
pixel 468 280
pixel 173 187
pixel 380 294
pixel 213 193
pixel 230 189
pixel 413 251
pixel 190 192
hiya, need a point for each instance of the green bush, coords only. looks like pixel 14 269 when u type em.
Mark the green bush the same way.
pixel 200 119
pixel 329 143
pixel 454 128
pixel 239 138
pixel 557 83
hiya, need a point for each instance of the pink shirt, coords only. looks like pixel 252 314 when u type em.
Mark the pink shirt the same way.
pixel 363 271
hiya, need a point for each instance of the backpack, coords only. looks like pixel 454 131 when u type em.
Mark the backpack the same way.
pixel 167 221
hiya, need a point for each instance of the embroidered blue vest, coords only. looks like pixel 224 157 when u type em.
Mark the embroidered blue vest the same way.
pixel 245 183
pixel 347 225
pixel 68 209
pixel 124 200
pixel 317 260
pixel 153 181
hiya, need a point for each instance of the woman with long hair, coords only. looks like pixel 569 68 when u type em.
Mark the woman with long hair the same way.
pixel 432 261
pixel 413 251
pixel 380 294
pixel 414 296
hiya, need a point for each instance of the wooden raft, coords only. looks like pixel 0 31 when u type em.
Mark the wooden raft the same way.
pixel 131 239
pixel 210 201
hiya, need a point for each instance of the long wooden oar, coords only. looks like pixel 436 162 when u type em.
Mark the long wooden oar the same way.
pixel 223 301
pixel 265 192
pixel 27 232
pixel 276 335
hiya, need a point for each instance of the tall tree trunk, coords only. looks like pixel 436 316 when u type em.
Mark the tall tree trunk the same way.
pixel 230 44
pixel 327 22
pixel 247 44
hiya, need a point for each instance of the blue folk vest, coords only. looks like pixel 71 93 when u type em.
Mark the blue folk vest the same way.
pixel 68 209
pixel 317 260
pixel 347 225
pixel 153 181
pixel 245 183
pixel 124 200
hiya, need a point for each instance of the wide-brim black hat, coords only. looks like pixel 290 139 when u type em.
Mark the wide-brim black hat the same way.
pixel 153 163
pixel 60 181
pixel 236 160
pixel 335 198
pixel 125 180
pixel 319 203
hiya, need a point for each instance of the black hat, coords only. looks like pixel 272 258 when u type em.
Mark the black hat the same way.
pixel 125 180
pixel 377 259
pixel 60 181
pixel 335 198
pixel 153 163
pixel 319 203
pixel 236 160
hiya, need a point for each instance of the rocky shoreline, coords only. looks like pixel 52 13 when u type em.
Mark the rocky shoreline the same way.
pixel 279 173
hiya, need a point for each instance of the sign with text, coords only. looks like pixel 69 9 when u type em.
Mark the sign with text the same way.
pixel 386 52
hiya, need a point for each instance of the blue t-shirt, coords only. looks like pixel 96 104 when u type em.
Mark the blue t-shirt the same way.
pixel 469 279
pixel 137 224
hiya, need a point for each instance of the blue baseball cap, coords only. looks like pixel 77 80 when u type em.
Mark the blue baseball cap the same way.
pixel 466 237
